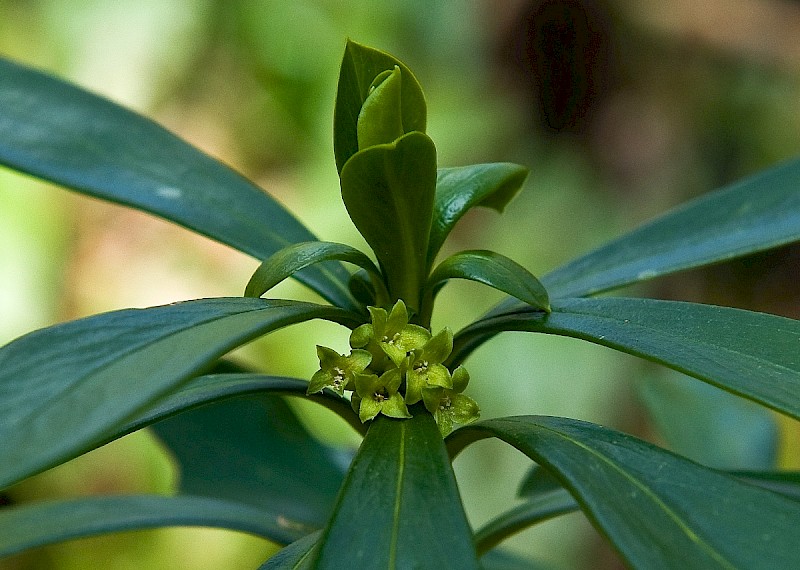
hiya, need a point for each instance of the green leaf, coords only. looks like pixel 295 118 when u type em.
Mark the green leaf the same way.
pixel 28 526
pixel 784 482
pixel 458 189
pixel 658 509
pixel 298 256
pixel 216 387
pixel 538 508
pixel 296 556
pixel 388 191
pixel 755 214
pixel 57 131
pixel 381 120
pixel 399 506
pixel 754 355
pixel 64 387
pixel 494 270
pixel 360 66
pixel 252 450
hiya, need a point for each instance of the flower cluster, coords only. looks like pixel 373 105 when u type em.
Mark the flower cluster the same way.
pixel 394 364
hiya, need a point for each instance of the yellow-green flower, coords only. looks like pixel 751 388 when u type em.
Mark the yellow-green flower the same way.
pixel 379 395
pixel 448 405
pixel 424 366
pixel 337 371
pixel 389 334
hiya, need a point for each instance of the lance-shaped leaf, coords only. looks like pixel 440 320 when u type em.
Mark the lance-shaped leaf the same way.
pixel 658 509
pixel 218 387
pixel 212 388
pixel 255 451
pixel 399 506
pixel 458 189
pixel 535 509
pixel 57 131
pixel 388 191
pixel 63 387
pixel 758 213
pixel 755 355
pixel 360 66
pixel 28 526
pixel 494 270
pixel 783 482
pixel 298 256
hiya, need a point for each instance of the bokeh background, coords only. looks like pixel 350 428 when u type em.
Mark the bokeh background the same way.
pixel 621 110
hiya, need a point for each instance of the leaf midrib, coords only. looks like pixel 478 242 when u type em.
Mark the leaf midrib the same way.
pixel 713 553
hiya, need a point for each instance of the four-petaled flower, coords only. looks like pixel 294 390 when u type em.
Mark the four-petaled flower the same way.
pixel 379 395
pixel 338 372
pixel 389 335
pixel 424 366
pixel 448 405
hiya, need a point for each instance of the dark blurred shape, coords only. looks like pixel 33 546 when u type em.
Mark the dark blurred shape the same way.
pixel 559 53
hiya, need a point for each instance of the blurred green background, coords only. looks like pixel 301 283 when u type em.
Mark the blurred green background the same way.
pixel 621 110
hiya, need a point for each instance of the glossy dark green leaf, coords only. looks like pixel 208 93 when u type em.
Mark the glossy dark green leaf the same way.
pixel 57 131
pixel 758 213
pixel 28 526
pixel 754 355
pixel 658 509
pixel 217 387
pixel 458 189
pixel 360 66
pixel 783 482
pixel 298 256
pixel 494 270
pixel 388 191
pixel 539 508
pixel 255 451
pixel 399 506
pixel 296 556
pixel 65 387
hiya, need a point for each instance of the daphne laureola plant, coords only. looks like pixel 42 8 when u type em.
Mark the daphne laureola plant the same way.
pixel 73 387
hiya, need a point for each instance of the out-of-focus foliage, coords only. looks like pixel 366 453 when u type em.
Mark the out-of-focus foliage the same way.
pixel 620 109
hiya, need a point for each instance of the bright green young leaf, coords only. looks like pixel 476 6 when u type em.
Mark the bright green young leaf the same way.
pixel 360 66
pixel 658 509
pixel 755 355
pixel 388 191
pixel 57 131
pixel 293 258
pixel 64 387
pixel 536 509
pixel 381 118
pixel 27 526
pixel 399 506
pixel 755 214
pixel 458 189
pixel 253 450
pixel 494 270
pixel 296 556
